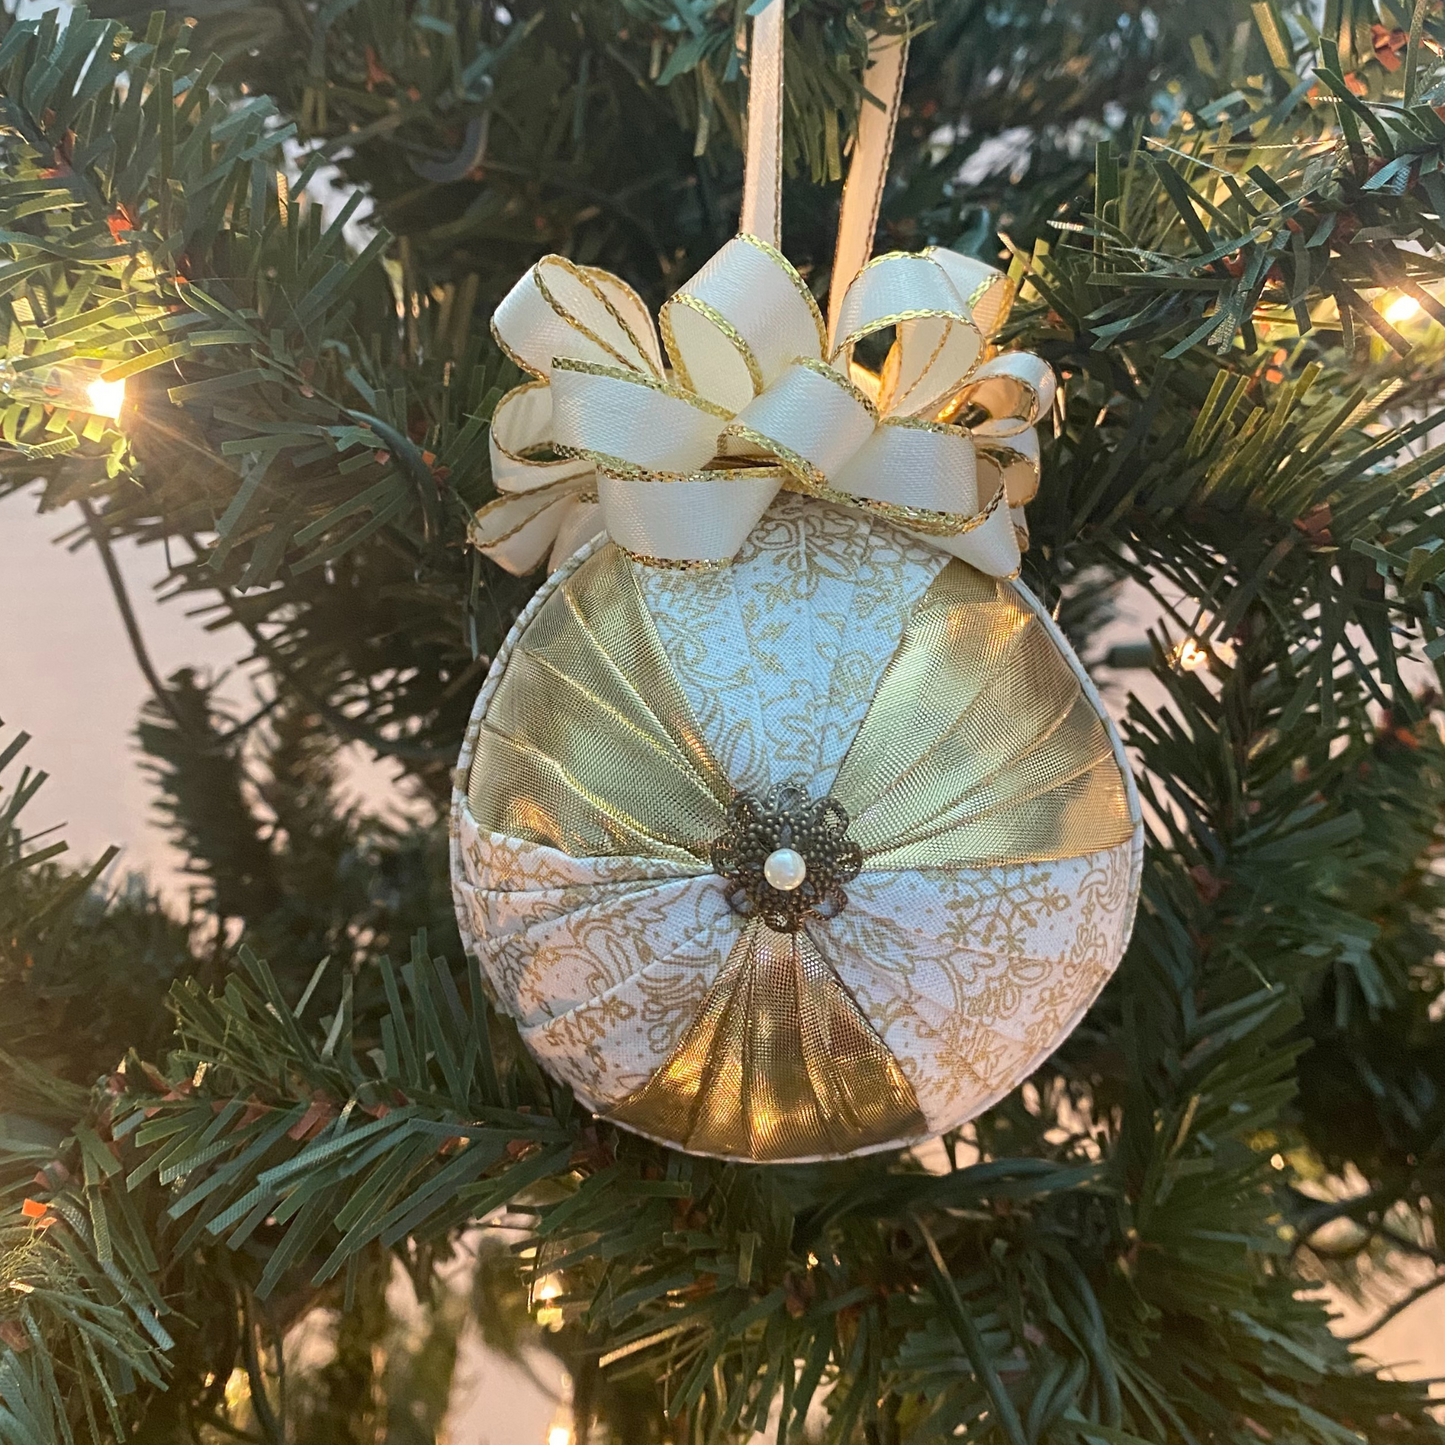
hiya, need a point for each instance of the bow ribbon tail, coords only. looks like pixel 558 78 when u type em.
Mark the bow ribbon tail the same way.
pixel 541 498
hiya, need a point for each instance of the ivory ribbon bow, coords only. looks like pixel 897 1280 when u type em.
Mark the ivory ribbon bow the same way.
pixel 678 463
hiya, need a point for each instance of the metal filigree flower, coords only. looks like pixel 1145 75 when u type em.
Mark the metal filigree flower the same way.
pixel 786 857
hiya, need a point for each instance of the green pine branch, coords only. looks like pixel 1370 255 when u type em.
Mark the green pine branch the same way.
pixel 1275 215
pixel 1071 1277
pixel 81 1320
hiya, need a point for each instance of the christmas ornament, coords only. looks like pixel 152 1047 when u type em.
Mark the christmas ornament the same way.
pixel 787 826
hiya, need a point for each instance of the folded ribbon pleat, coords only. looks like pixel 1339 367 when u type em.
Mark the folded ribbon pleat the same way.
pixel 679 462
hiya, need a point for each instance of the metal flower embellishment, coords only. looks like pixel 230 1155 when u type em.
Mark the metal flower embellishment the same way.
pixel 786 857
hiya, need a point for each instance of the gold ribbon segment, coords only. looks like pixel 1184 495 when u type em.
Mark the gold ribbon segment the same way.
pixel 980 746
pixel 779 1063
pixel 588 744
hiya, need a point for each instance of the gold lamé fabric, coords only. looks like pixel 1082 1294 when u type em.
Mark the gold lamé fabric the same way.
pixel 979 748
pixel 778 1063
pixel 588 744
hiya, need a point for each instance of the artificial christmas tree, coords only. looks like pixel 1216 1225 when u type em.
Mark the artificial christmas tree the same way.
pixel 1213 215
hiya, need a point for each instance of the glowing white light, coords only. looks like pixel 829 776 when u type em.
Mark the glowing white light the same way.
pixel 1402 308
pixel 106 398
pixel 559 1435
pixel 67 386
pixel 1190 655
pixel 550 1288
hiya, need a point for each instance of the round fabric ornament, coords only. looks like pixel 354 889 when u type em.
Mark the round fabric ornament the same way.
pixel 917 733
pixel 787 826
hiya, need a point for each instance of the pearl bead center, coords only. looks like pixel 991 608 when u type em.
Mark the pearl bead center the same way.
pixel 785 869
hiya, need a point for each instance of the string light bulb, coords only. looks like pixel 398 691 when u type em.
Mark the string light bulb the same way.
pixel 550 1316
pixel 559 1435
pixel 106 398
pixel 75 385
pixel 1190 655
pixel 1401 309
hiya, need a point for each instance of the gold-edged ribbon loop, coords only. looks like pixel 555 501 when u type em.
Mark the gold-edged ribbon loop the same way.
pixel 629 424
pixel 714 511
pixel 561 309
pixel 678 462
pixel 740 323
pixel 937 342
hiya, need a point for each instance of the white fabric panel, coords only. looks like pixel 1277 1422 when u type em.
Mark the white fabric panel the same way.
pixel 781 653
pixel 974 977
pixel 610 1045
